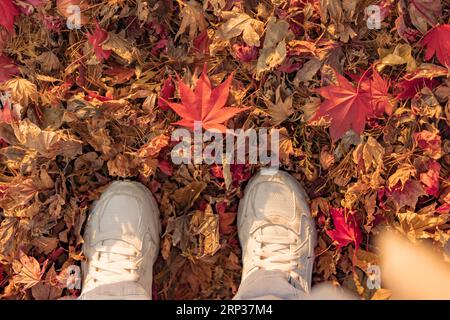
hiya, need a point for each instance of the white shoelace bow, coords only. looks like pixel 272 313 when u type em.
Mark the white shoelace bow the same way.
pixel 114 264
pixel 275 253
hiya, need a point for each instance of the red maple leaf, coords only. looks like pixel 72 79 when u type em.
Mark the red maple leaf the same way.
pixel 345 105
pixel 408 195
pixel 201 42
pixel 165 167
pixel 430 179
pixel 96 39
pixel 429 142
pixel 7 68
pixel 226 219
pixel 8 11
pixel 378 90
pixel 167 91
pixel 437 41
pixel 346 228
pixel 408 88
pixel 245 53
pixel 204 104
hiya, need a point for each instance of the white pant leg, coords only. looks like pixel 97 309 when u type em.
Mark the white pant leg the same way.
pixel 116 291
pixel 268 285
pixel 274 285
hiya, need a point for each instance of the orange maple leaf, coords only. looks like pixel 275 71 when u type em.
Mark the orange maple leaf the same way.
pixel 204 104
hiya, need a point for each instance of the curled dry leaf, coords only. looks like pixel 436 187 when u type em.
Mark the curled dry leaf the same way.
pixel 241 23
pixel 192 17
pixel 273 52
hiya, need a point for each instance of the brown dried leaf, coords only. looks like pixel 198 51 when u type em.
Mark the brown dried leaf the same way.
pixel 28 271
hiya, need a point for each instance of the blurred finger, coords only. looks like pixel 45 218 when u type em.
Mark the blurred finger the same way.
pixel 413 272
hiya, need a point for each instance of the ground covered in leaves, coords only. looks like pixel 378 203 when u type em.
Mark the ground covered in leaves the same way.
pixel 364 119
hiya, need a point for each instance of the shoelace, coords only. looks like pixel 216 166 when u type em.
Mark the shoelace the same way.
pixel 119 265
pixel 275 254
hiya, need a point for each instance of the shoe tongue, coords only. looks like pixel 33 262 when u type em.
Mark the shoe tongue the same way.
pixel 276 231
pixel 274 199
pixel 123 216
pixel 117 244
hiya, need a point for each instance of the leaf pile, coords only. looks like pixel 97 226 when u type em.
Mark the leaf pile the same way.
pixel 364 119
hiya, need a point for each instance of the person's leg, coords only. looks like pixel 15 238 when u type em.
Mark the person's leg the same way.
pixel 278 236
pixel 121 244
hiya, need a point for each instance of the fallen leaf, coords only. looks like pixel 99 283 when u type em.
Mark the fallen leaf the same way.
pixel 406 196
pixel 47 290
pixel 48 143
pixel 368 155
pixel 408 88
pixel 430 179
pixel 415 225
pixel 191 17
pixel 274 47
pixel 116 43
pixel 206 226
pixel 96 39
pixel 8 68
pixel 345 105
pixel 28 271
pixel 22 91
pixel 240 23
pixel 166 93
pixel 429 142
pixel 281 109
pixel 8 11
pixel 346 229
pixel 424 13
pixel 185 197
pixel 204 104
pixel 401 54
pixel 403 173
pixel 436 41
pixel 378 89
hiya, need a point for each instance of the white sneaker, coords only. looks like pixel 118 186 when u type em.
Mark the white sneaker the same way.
pixel 276 229
pixel 121 243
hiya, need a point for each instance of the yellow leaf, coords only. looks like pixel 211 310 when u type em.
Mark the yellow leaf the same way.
pixel 28 271
pixel 404 172
pixel 22 91
pixel 399 55
pixel 382 294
